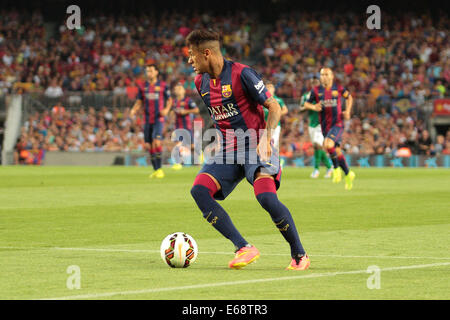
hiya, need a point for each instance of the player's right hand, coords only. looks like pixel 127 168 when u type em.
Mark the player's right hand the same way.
pixel 318 107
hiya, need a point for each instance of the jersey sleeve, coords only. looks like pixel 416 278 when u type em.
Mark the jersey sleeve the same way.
pixel 345 93
pixel 198 82
pixel 304 98
pixel 254 86
pixel 140 94
pixel 312 97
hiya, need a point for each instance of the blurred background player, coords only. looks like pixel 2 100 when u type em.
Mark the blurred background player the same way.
pixel 327 100
pixel 316 136
pixel 154 97
pixel 284 110
pixel 234 95
pixel 184 108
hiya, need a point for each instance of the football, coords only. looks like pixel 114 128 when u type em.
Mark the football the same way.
pixel 179 250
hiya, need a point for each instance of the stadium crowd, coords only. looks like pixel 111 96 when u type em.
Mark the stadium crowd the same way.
pixel 115 130
pixel 408 58
pixel 390 72
pixel 368 134
pixel 108 53
pixel 64 130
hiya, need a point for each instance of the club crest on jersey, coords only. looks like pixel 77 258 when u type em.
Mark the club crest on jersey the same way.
pixel 334 93
pixel 226 91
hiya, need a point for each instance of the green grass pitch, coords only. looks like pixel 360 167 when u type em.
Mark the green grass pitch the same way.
pixel 109 223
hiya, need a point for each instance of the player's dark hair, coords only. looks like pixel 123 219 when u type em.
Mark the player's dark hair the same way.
pixel 152 65
pixel 200 36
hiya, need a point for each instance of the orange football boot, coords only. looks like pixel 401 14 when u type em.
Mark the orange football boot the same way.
pixel 302 264
pixel 243 257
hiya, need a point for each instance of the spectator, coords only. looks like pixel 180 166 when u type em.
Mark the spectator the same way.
pixel 439 146
pixel 424 143
pixel 120 93
pixel 54 90
pixel 446 150
pixel 132 91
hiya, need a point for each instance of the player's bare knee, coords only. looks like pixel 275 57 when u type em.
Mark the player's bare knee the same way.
pixel 329 145
pixel 260 175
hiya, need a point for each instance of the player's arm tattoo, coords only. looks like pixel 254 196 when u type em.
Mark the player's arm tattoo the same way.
pixel 274 115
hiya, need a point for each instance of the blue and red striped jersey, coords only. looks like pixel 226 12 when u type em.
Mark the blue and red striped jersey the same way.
pixel 234 100
pixel 184 122
pixel 154 98
pixel 331 101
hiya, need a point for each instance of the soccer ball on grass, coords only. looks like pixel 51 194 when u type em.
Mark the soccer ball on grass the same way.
pixel 179 250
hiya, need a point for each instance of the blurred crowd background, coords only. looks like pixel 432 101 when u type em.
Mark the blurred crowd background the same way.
pixel 80 84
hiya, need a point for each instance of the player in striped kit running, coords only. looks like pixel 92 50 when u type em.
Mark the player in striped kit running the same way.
pixel 328 100
pixel 184 108
pixel 154 98
pixel 316 137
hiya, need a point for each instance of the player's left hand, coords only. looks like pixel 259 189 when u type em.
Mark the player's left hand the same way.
pixel 264 149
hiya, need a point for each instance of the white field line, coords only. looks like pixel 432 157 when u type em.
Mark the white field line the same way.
pixel 230 253
pixel 241 282
pixel 218 252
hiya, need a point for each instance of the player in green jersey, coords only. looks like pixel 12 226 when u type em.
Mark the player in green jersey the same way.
pixel 316 136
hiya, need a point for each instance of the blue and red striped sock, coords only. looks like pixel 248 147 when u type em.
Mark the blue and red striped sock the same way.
pixel 265 192
pixel 203 193
pixel 343 163
pixel 333 157
pixel 153 158
pixel 158 157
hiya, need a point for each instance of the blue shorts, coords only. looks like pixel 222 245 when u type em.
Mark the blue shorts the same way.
pixel 153 131
pixel 335 134
pixel 230 174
